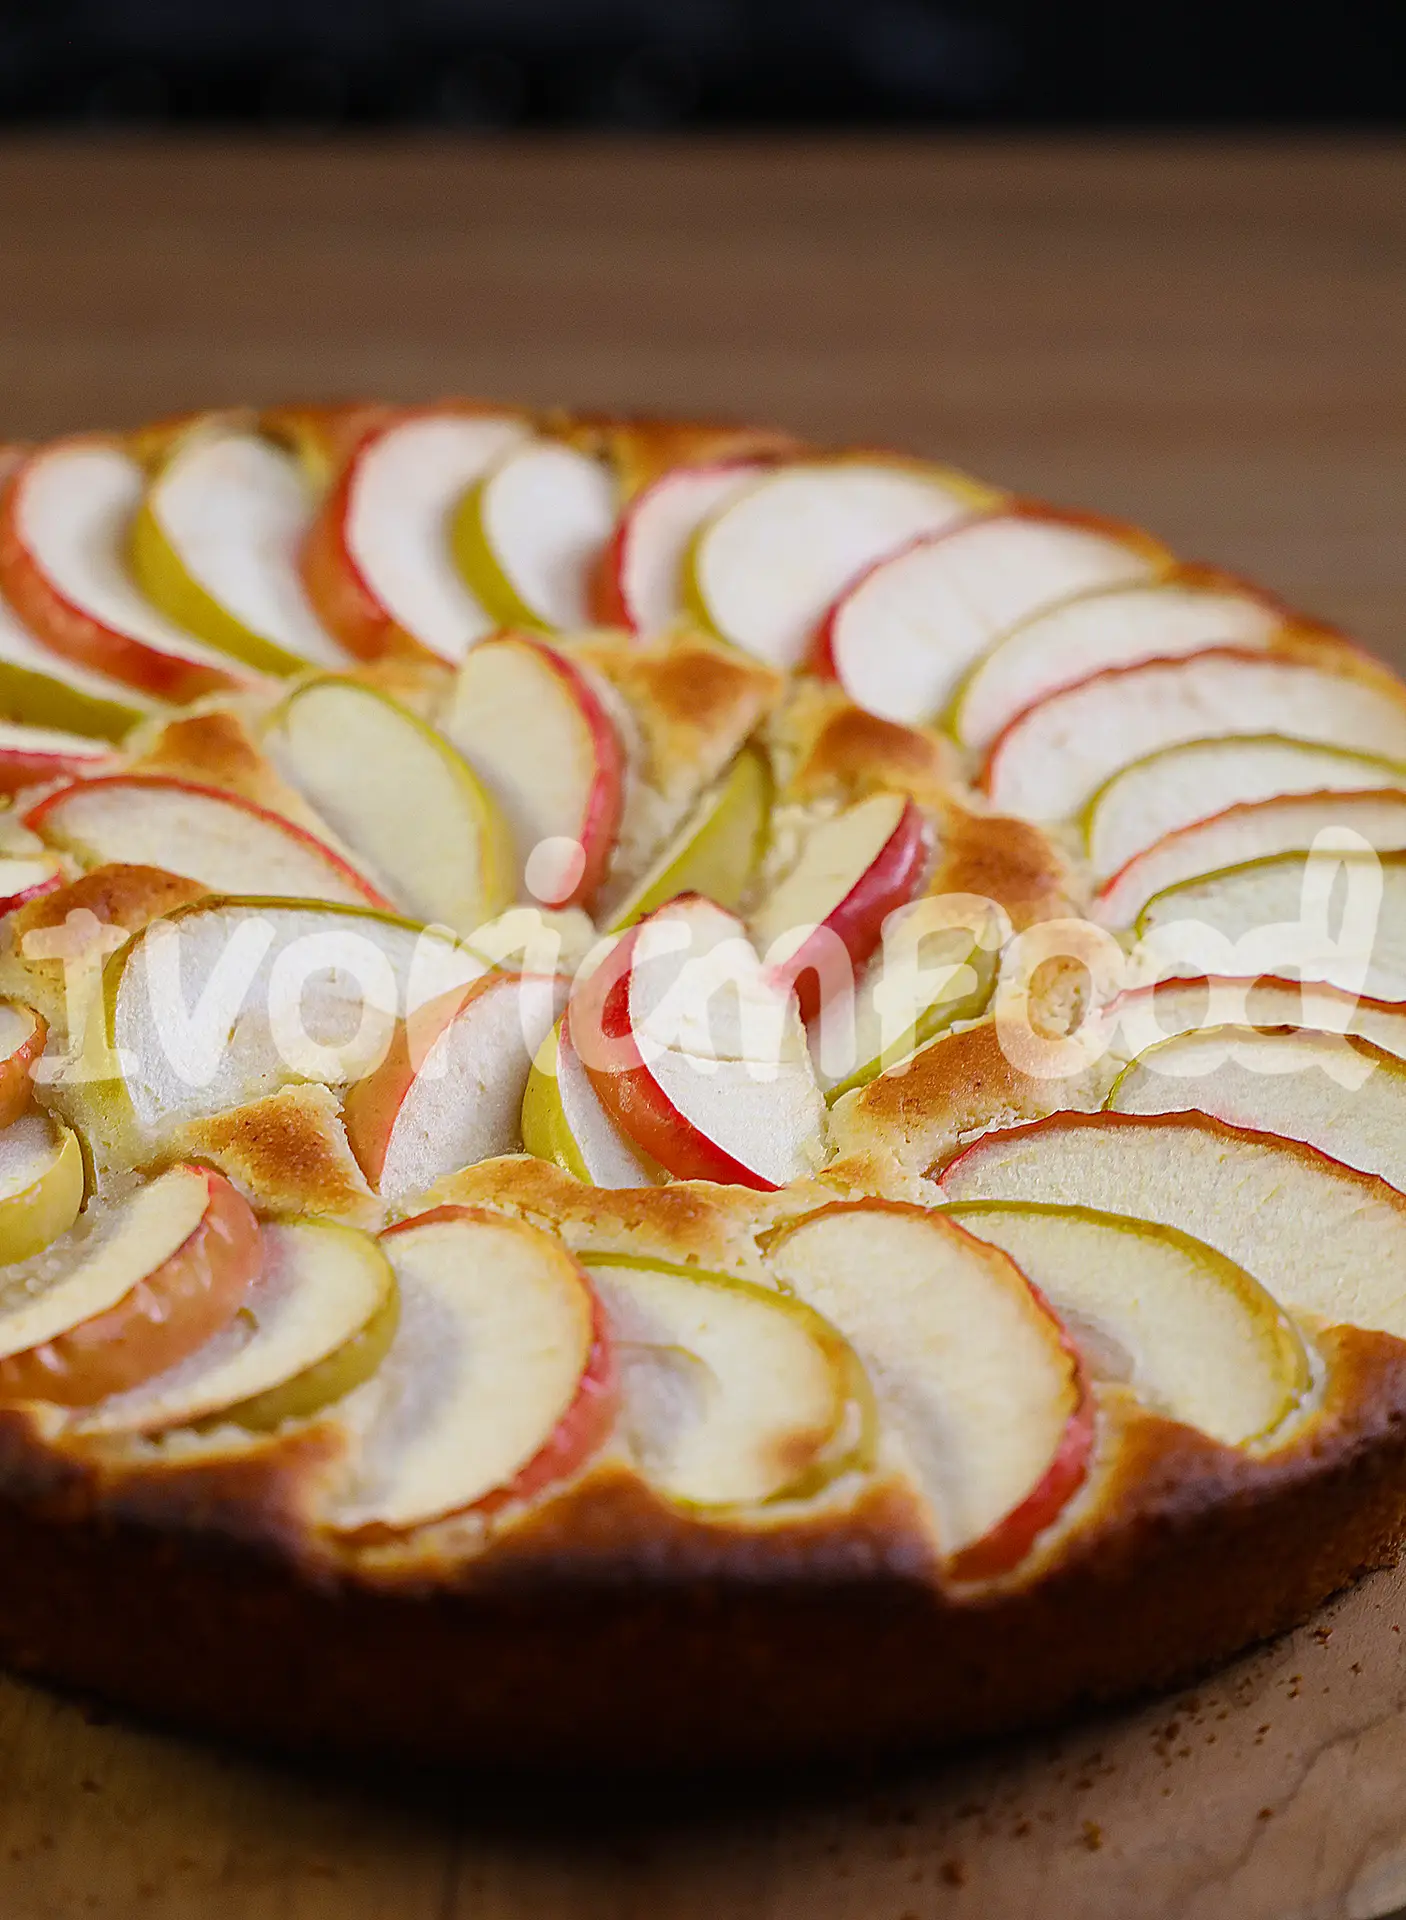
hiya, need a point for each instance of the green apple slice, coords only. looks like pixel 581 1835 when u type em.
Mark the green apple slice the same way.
pixel 732 1394
pixel 1154 1309
pixel 1051 761
pixel 764 570
pixel 717 849
pixel 1289 823
pixel 400 797
pixel 1169 791
pixel 64 522
pixel 528 535
pixel 317 1323
pixel 1325 1240
pixel 563 1120
pixel 498 1383
pixel 1331 918
pixel 1344 1096
pixel 1185 612
pixel 937 965
pixel 41 1184
pixel 42 689
pixel 215 545
pixel 224 1001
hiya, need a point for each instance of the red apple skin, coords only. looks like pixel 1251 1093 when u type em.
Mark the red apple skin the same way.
pixel 606 1047
pixel 372 1106
pixel 17 1072
pixel 606 596
pixel 605 591
pixel 1005 1545
pixel 38 815
pixel 340 593
pixel 342 597
pixel 605 797
pixel 893 878
pixel 66 629
pixel 193 1295
pixel 10 901
pixel 1147 994
pixel 821 660
pixel 587 1422
pixel 1008 1542
pixel 19 769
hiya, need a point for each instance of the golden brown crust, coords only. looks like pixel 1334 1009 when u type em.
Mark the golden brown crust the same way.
pixel 640 450
pixel 688 1221
pixel 1190 1552
pixel 216 748
pixel 116 896
pixel 288 1154
pixel 693 700
pixel 1001 858
pixel 828 749
pixel 686 705
pixel 911 1121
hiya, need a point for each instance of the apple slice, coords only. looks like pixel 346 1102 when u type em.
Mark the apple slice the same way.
pixel 900 639
pixel 1342 1095
pixel 1284 825
pixel 1049 762
pixel 1149 1307
pixel 969 1366
pixel 1322 916
pixel 399 798
pixel 763 571
pixel 731 1393
pixel 222 1002
pixel 450 1090
pixel 1189 610
pixel 316 1323
pixel 852 871
pixel 376 562
pixel 37 756
pixel 226 843
pixel 215 546
pixel 148 1283
pixel 1178 786
pixel 64 523
pixel 717 849
pixel 41 1185
pixel 1143 1016
pixel 533 727
pixel 1322 1238
pixel 40 688
pixel 500 1379
pixel 697 1055
pixel 23 880
pixel 639 578
pixel 564 1121
pixel 529 534
pixel 22 1036
pixel 937 966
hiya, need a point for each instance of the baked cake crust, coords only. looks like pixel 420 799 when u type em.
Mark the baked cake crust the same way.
pixel 201 1572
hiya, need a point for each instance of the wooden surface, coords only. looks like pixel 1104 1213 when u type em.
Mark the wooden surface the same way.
pixel 1212 340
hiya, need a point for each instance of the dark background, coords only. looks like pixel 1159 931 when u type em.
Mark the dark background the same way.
pixel 658 64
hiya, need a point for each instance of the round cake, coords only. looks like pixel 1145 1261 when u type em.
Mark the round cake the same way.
pixel 671 1097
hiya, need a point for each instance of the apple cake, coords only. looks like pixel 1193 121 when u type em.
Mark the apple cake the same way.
pixel 672 1097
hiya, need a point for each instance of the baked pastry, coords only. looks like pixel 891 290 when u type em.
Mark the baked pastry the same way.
pixel 669 1097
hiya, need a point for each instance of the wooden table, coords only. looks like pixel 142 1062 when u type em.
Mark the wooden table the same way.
pixel 1211 339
